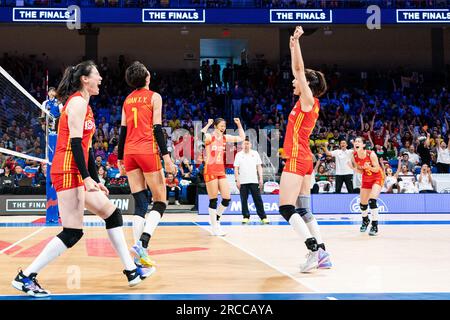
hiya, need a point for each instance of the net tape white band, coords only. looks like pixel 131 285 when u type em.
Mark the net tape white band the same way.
pixel 22 155
pixel 25 92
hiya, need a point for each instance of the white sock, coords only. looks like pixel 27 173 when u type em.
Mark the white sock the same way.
pixel 220 210
pixel 365 213
pixel 117 238
pixel 51 251
pixel 300 226
pixel 213 217
pixel 374 213
pixel 151 222
pixel 138 227
pixel 313 227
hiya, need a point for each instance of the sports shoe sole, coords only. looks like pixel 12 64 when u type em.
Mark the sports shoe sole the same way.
pixel 134 282
pixel 150 271
pixel 19 285
pixel 310 269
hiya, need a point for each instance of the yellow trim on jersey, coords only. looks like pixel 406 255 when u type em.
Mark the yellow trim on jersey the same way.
pixel 297 125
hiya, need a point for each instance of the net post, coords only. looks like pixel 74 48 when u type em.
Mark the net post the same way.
pixel 52 213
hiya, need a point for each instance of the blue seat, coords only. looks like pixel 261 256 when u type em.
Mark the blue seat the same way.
pixel 393 163
pixel 112 172
pixel 434 170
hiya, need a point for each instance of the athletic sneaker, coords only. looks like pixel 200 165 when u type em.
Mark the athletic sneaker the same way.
pixel 312 261
pixel 145 272
pixel 177 203
pixel 374 229
pixel 365 224
pixel 217 230
pixel 141 256
pixel 324 260
pixel 265 221
pixel 29 285
pixel 245 221
pixel 133 276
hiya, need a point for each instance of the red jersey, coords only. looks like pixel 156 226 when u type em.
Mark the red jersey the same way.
pixel 299 128
pixel 215 155
pixel 138 110
pixel 361 162
pixel 63 161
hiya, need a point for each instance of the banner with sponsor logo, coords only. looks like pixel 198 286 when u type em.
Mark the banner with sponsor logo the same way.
pixel 37 205
pixel 346 203
pixel 221 16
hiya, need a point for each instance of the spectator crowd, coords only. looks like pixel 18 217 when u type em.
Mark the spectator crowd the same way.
pixel 402 114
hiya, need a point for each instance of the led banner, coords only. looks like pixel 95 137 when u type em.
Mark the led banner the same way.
pixel 423 16
pixel 173 16
pixel 44 15
pixel 246 16
pixel 346 203
pixel 301 16
pixel 37 204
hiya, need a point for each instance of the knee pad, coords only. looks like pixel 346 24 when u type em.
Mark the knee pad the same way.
pixel 114 220
pixel 140 203
pixel 213 203
pixel 159 207
pixel 70 236
pixel 304 201
pixel 373 203
pixel 363 207
pixel 287 212
pixel 306 214
pixel 225 202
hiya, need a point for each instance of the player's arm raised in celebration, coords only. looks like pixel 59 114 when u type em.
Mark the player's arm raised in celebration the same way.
pixel 169 166
pixel 205 131
pixel 76 112
pixel 241 137
pixel 298 68
pixel 121 144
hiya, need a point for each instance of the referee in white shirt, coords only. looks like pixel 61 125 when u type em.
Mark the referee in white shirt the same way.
pixel 247 168
pixel 344 174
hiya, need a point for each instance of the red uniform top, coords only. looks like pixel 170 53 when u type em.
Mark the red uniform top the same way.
pixel 361 162
pixel 215 154
pixel 299 128
pixel 63 161
pixel 139 114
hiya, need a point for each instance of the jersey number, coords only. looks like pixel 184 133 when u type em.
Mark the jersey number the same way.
pixel 135 112
pixel 219 157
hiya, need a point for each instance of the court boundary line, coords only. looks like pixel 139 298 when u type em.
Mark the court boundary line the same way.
pixel 330 293
pixel 22 240
pixel 264 261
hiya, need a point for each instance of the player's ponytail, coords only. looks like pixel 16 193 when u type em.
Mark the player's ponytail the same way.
pixel 71 81
pixel 317 82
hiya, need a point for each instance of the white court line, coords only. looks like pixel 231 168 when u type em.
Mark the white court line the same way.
pixel 331 298
pixel 263 261
pixel 21 240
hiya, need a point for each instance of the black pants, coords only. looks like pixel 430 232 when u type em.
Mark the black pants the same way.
pixel 177 193
pixel 252 188
pixel 427 191
pixel 348 179
pixel 442 167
